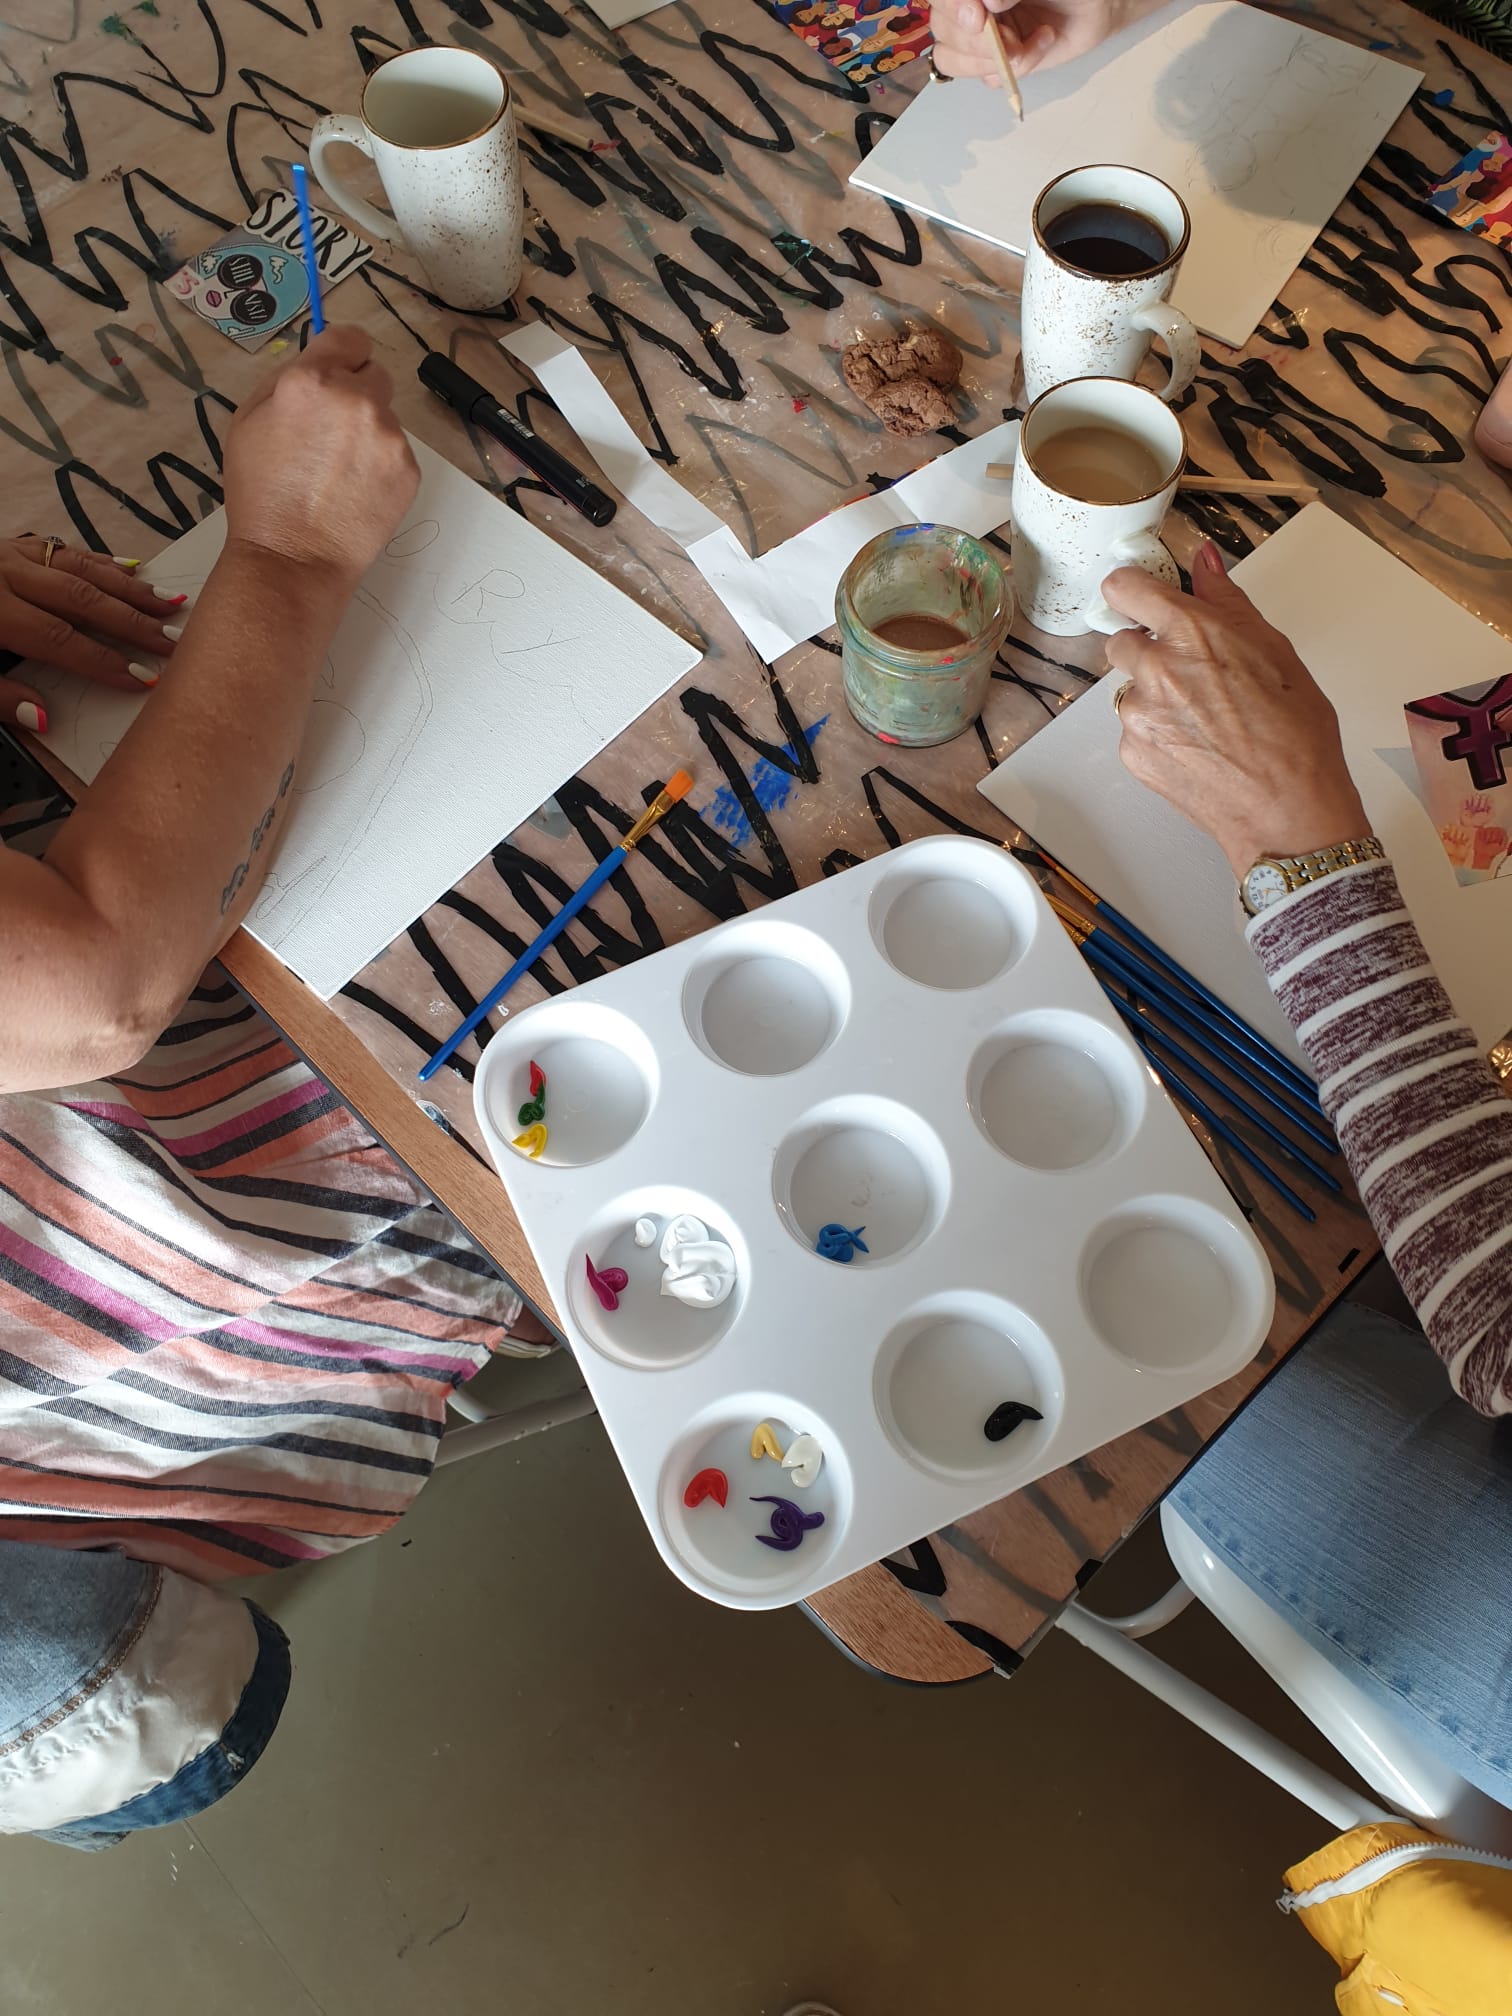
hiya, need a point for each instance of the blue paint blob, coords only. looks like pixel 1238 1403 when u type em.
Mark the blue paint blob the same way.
pixel 1443 97
pixel 771 787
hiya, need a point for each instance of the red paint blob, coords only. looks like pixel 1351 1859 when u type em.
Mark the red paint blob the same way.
pixel 707 1484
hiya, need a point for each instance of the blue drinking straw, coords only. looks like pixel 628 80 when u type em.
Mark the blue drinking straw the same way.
pixel 307 234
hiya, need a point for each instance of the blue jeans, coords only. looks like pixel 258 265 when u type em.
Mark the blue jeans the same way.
pixel 1372 1509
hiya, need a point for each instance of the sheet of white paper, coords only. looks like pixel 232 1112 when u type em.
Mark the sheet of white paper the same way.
pixel 1259 123
pixel 1367 626
pixel 783 596
pixel 478 666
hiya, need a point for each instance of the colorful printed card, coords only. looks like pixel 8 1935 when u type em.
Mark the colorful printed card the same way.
pixel 252 283
pixel 1461 743
pixel 1478 195
pixel 863 38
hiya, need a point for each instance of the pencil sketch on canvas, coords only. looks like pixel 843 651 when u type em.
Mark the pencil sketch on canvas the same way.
pixel 478 666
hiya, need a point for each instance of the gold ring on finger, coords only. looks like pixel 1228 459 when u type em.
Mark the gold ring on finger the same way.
pixel 50 546
pixel 1121 695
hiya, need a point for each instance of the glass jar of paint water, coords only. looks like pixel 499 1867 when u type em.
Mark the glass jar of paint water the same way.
pixel 923 611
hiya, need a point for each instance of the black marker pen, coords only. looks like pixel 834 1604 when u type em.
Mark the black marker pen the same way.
pixel 475 402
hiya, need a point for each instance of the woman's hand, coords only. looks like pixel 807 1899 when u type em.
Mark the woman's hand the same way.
pixel 49 613
pixel 1225 721
pixel 318 471
pixel 1036 33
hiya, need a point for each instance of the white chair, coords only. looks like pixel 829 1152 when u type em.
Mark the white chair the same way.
pixel 1412 1783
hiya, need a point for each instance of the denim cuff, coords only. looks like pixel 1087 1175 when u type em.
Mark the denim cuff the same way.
pixel 216 1770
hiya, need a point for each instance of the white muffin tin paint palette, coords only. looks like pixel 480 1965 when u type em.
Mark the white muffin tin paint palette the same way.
pixel 914 1047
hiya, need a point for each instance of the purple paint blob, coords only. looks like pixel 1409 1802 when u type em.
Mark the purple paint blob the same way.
pixel 789 1524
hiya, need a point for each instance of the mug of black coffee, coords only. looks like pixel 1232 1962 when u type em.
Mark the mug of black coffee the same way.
pixel 1104 253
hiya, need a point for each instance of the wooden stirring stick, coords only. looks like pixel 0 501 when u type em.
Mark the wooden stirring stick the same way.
pixel 1005 68
pixel 1220 486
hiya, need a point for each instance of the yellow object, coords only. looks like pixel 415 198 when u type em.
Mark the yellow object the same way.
pixel 765 1443
pixel 532 1141
pixel 1417 1925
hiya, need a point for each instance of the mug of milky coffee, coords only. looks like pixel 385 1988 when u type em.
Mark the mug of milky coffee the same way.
pixel 1104 251
pixel 438 126
pixel 1093 479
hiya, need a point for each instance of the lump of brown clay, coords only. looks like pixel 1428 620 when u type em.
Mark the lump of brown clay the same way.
pixel 903 379
pixel 912 406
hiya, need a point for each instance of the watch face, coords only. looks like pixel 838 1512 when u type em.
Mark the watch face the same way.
pixel 1265 884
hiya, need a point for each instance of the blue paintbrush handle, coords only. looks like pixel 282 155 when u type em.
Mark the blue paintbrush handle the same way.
pixel 1145 1032
pixel 1109 957
pixel 1304 1084
pixel 1226 1133
pixel 527 958
pixel 307 240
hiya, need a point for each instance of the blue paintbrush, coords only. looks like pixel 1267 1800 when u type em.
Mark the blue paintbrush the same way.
pixel 677 787
pixel 1226 1133
pixel 1106 914
pixel 1144 1032
pixel 1111 961
pixel 307 239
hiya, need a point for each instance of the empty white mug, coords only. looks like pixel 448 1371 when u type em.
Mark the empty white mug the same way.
pixel 439 127
pixel 1065 545
pixel 1077 323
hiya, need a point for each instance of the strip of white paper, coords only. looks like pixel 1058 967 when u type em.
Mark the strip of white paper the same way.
pixel 781 597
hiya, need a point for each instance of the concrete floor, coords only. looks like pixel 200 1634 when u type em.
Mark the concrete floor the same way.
pixel 524 1772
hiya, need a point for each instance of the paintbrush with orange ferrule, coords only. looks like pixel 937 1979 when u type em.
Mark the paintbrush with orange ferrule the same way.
pixel 677 786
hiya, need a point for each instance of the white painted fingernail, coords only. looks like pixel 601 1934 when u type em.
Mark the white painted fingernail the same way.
pixel 121 561
pixel 168 594
pixel 173 632
pixel 145 673
pixel 32 717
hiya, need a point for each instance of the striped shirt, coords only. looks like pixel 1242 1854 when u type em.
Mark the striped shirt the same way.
pixel 229 1322
pixel 1425 1127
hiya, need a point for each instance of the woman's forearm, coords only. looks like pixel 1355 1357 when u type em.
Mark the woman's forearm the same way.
pixel 1426 1129
pixel 166 850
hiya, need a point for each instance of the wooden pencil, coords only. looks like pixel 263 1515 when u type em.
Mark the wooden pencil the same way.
pixel 1005 66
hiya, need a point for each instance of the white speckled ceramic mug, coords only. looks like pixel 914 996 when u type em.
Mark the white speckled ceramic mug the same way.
pixel 1082 317
pixel 1093 478
pixel 438 126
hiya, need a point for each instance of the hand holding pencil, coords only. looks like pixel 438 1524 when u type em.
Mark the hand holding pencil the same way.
pixel 1026 36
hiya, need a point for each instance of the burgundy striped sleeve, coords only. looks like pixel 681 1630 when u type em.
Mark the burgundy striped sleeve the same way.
pixel 1417 1110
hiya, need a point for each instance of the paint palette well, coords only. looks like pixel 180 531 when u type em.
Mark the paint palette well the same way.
pixel 913 1050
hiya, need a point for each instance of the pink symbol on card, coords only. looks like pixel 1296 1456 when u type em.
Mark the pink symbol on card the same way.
pixel 1459 743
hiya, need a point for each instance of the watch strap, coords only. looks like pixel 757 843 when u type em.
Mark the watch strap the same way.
pixel 1300 869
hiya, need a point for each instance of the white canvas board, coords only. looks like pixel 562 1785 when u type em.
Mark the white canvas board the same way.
pixel 1259 123
pixel 1375 635
pixel 479 666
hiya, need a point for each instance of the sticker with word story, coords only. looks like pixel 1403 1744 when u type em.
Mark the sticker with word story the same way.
pixel 252 283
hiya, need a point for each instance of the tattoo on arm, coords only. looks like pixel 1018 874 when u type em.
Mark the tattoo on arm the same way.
pixel 259 834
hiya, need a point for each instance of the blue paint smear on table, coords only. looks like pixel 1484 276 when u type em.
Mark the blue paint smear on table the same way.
pixel 771 786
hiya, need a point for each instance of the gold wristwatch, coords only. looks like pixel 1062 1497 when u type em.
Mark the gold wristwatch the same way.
pixel 1274 876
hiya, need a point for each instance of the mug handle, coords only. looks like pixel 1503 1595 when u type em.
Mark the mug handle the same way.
pixel 1139 549
pixel 1162 320
pixel 342 129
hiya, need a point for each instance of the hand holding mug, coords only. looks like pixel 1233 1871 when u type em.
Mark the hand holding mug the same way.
pixel 1225 721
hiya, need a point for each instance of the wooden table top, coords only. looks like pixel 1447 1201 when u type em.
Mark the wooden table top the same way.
pixel 712 264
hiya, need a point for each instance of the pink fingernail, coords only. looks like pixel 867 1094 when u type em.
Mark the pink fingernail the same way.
pixel 1210 557
pixel 33 717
